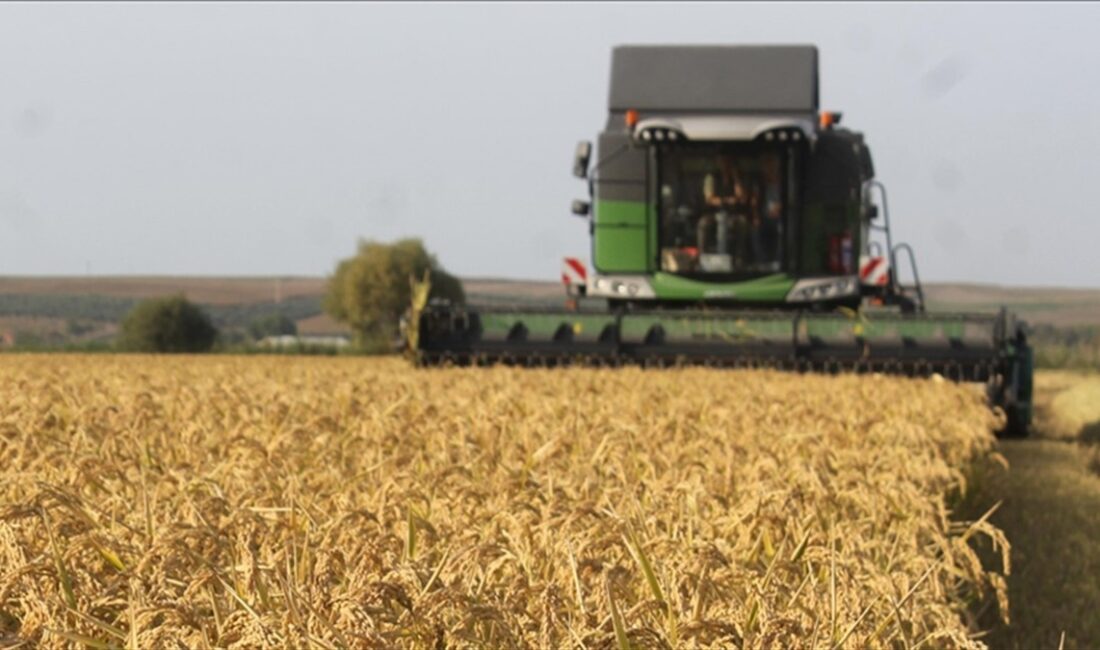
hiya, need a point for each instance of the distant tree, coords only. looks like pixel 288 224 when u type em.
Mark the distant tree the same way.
pixel 76 328
pixel 38 340
pixel 370 291
pixel 277 324
pixel 170 324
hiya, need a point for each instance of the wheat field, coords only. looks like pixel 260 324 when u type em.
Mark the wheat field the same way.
pixel 250 502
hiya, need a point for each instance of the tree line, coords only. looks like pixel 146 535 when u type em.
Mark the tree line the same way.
pixel 368 292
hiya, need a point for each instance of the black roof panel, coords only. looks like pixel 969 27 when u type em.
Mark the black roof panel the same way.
pixel 726 78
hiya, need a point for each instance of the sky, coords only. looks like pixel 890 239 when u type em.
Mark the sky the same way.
pixel 267 139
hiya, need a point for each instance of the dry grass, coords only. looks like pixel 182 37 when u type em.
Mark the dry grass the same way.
pixel 296 502
pixel 1068 405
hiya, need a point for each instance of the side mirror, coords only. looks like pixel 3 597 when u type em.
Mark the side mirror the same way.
pixel 581 208
pixel 870 211
pixel 580 159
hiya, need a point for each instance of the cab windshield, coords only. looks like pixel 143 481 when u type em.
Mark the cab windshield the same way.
pixel 724 209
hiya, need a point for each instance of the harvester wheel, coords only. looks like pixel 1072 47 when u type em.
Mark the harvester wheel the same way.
pixel 1016 424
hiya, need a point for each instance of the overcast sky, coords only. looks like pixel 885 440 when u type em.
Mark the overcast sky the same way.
pixel 259 139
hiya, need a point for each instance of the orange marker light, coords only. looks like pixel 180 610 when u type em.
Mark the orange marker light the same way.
pixel 631 118
pixel 829 119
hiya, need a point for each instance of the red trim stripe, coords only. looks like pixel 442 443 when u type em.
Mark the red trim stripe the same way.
pixel 576 265
pixel 869 268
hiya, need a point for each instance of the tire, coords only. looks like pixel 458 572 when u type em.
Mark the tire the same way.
pixel 1017 424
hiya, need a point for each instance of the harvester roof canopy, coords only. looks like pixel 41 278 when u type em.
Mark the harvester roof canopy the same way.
pixel 714 78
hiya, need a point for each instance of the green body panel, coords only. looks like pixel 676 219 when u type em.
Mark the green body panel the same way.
pixel 741 327
pixel 769 288
pixel 925 329
pixel 620 249
pixel 496 326
pixel 622 213
pixel 621 237
pixel 778 328
pixel 697 327
pixel 775 330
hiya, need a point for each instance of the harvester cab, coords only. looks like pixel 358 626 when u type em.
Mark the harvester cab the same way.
pixel 735 223
pixel 740 193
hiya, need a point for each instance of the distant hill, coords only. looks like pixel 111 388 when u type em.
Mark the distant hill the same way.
pixel 208 290
pixel 1037 305
pixel 88 308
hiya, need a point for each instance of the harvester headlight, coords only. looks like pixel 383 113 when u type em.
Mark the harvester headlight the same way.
pixel 782 136
pixel 796 135
pixel 646 135
pixel 621 287
pixel 658 135
pixel 819 289
pixel 769 136
pixel 672 135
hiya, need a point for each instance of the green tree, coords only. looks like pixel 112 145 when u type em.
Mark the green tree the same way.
pixel 370 291
pixel 169 324
pixel 277 324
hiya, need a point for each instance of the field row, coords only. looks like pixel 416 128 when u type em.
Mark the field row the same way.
pixel 296 502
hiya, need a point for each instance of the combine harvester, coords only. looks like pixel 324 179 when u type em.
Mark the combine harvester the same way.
pixel 735 224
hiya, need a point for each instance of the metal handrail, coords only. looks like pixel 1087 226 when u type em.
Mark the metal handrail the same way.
pixel 913 267
pixel 867 187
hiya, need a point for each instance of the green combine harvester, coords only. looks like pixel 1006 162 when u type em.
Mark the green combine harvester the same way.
pixel 734 224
